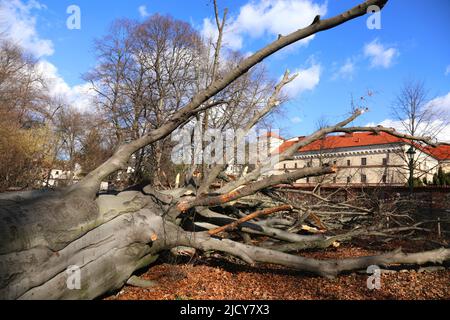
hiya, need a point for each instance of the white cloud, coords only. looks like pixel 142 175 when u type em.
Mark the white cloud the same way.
pixel 19 25
pixel 389 123
pixel 447 70
pixel 18 20
pixel 143 11
pixel 307 79
pixel 230 39
pixel 266 17
pixel 346 71
pixel 79 96
pixel 296 120
pixel 443 135
pixel 441 103
pixel 380 56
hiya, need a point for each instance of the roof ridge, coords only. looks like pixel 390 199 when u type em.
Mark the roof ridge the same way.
pixel 364 139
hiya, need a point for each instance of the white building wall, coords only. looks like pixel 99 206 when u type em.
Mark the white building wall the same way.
pixel 382 165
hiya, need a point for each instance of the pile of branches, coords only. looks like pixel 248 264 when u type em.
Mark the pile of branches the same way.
pixel 275 218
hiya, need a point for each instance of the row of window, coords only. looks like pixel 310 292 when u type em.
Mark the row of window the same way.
pixel 349 179
pixel 363 179
pixel 363 163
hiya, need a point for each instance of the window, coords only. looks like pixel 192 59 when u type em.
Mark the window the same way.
pixel 296 165
pixel 384 161
pixel 335 162
pixel 309 164
pixel 334 179
pixel 307 179
pixel 349 179
pixel 363 178
pixel 384 178
pixel 363 161
pixel 348 163
pixel 284 166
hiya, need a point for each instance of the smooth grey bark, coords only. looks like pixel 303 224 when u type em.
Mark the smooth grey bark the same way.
pixel 326 268
pixel 129 239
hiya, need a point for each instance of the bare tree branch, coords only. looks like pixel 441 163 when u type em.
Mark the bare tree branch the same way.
pixel 89 185
pixel 287 154
pixel 271 103
pixel 249 217
pixel 254 187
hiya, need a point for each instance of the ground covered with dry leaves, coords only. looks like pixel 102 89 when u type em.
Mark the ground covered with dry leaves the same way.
pixel 217 277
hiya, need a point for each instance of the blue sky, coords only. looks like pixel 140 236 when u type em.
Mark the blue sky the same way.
pixel 334 65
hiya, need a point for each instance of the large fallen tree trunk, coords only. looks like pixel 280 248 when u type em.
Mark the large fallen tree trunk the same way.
pixel 49 239
pixel 109 254
pixel 130 236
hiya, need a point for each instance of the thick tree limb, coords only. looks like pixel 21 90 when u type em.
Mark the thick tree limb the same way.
pixel 327 268
pixel 253 188
pixel 427 140
pixel 259 228
pixel 249 217
pixel 135 281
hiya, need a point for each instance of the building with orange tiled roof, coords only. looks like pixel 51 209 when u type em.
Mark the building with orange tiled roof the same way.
pixel 442 153
pixel 365 158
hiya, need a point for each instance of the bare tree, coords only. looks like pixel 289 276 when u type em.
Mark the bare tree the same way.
pixel 417 115
pixel 71 127
pixel 412 108
pixel 145 74
pixel 109 237
pixel 149 70
pixel 25 140
pixel 94 150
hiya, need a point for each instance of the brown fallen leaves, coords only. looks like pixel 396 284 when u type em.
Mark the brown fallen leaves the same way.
pixel 223 280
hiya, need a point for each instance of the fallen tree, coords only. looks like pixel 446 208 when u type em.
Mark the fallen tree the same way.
pixel 108 237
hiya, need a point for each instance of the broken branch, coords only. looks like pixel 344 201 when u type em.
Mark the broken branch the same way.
pixel 249 217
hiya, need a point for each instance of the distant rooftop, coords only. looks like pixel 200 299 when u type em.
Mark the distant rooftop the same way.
pixel 360 139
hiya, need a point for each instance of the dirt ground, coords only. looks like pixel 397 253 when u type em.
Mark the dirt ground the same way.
pixel 215 277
